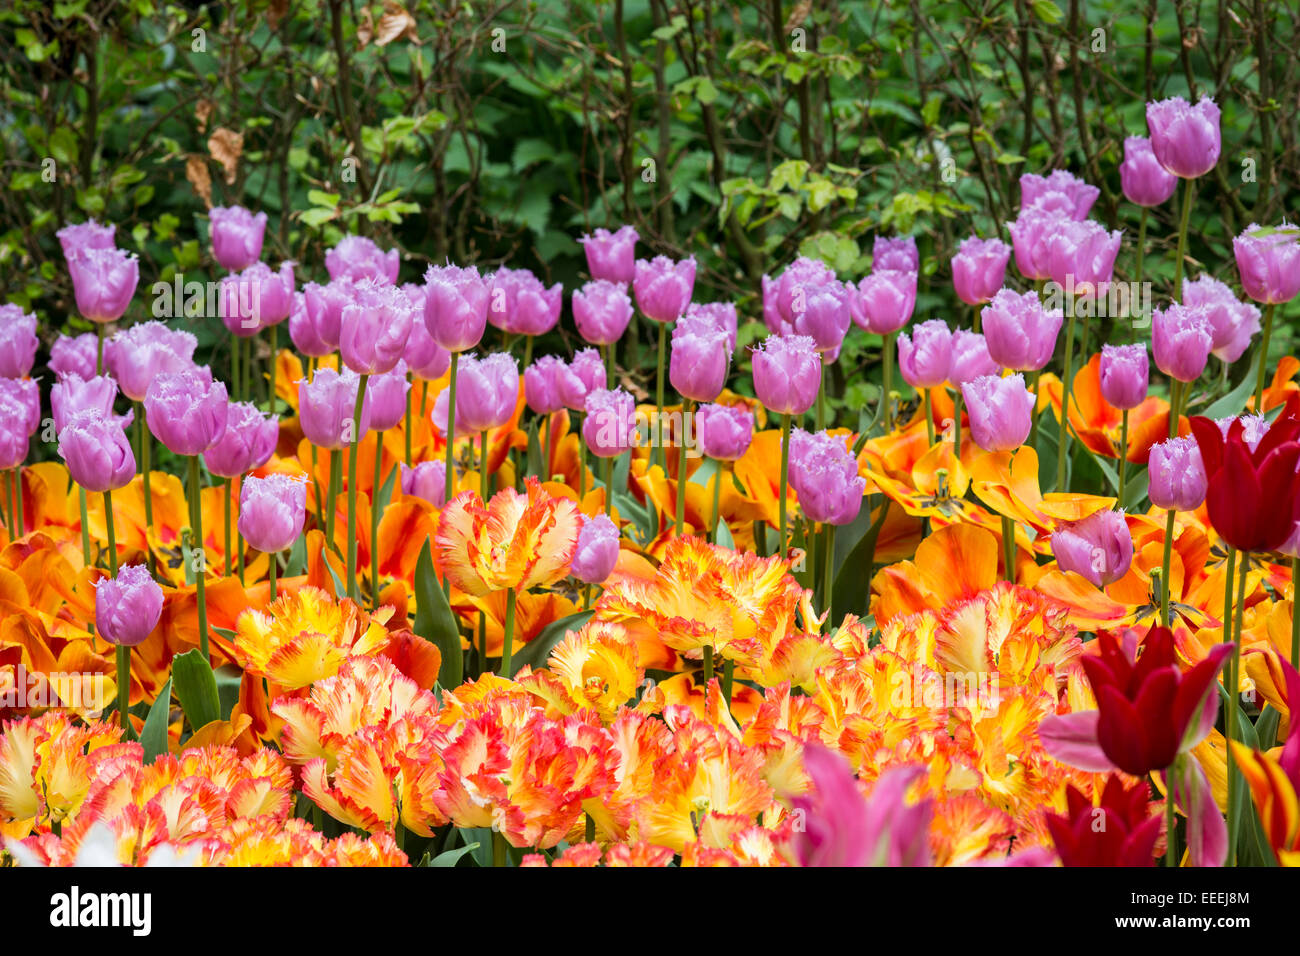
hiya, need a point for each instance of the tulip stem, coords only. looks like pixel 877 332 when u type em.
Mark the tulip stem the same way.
pixel 1175 401
pixel 1261 374
pixel 18 494
pixel 507 648
pixel 681 468
pixel 201 572
pixel 354 590
pixel 956 426
pixel 482 467
pixel 229 551
pixel 124 689
pixel 609 486
pixel 1033 414
pixel 821 396
pixel 1182 240
pixel 785 478
pixel 85 527
pixel 375 486
pixel 1064 443
pixel 728 678
pixel 528 350
pixel 1234 686
pixel 887 380
pixel 408 421
pixel 609 365
pixel 271 559
pixel 828 578
pixel 449 485
pixel 929 416
pixel 10 494
pixel 1295 618
pixel 99 348
pixel 1123 456
pixel 146 469
pixel 1141 249
pixel 332 496
pixel 1171 835
pixel 716 514
pixel 112 537
pixel 1164 567
pixel 1009 549
pixel 239 537
pixel 659 395
pixel 275 335
pixel 582 464
pixel 708 663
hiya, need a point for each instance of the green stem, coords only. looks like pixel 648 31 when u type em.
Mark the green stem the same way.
pixel 609 365
pixel 1141 250
pixel 956 426
pixel 450 484
pixel 828 578
pixel 85 527
pixel 18 496
pixel 1171 835
pixel 354 589
pixel 717 498
pixel 785 479
pixel 146 469
pixel 1123 455
pixel 498 849
pixel 112 537
pixel 929 416
pixel 1261 374
pixel 201 572
pixel 887 379
pixel 1033 415
pixel 528 350
pixel 1182 240
pixel 1009 549
pixel 11 520
pixel 332 497
pixel 99 348
pixel 681 470
pixel 124 689
pixel 482 467
pixel 728 677
pixel 275 335
pixel 1066 383
pixel 508 647
pixel 273 563
pixel 1230 718
pixel 659 395
pixel 374 518
pixel 239 537
pixel 1164 567
pixel 582 463
pixel 1175 402
pixel 821 396
pixel 708 663
pixel 609 486
pixel 229 555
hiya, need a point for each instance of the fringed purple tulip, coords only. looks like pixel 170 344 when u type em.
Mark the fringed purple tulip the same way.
pixel 427 480
pixel 1082 254
pixel 237 236
pixel 1181 341
pixel 520 304
pixel 256 298
pixel 895 254
pixel 597 550
pixel 663 288
pixel 86 235
pixel 457 306
pixel 542 385
pixel 488 391
pixel 1177 474
pixel 128 607
pixel 138 355
pixel 970 358
pixel 582 376
pixel 386 395
pixel 886 300
pixel 721 314
pixel 611 256
pixel 272 511
pixel 326 406
pixel 1100 547
pixel 186 410
pixel 925 356
pixel 602 310
pixel 1186 139
pixel 27 394
pixel 1233 323
pixel 18 341
pixel 978 268
pixel 1021 333
pixel 1124 374
pixel 610 427
pixel 357 258
pixel 724 432
pixel 700 358
pixel 374 328
pixel 324 306
pixel 1144 181
pixel 248 441
pixel 1030 235
pixel 1000 411
pixel 787 373
pixel 97 452
pixel 103 281
pixel 74 355
pixel 1268 260
pixel 72 394
pixel 1059 191
pixel 824 474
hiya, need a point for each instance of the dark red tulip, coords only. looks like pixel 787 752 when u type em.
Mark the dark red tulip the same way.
pixel 1120 832
pixel 1150 710
pixel 1253 495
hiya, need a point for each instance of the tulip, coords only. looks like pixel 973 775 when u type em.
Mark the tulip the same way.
pixel 1123 373
pixel 1082 254
pixel 73 354
pixel 841 828
pixel 787 373
pixel 610 426
pixel 1122 831
pixel 1253 429
pixel 596 552
pixel 541 385
pixel 186 410
pixel 72 394
pixel 1181 342
pixel 925 357
pixel 978 269
pixel 895 253
pixel 1269 263
pixel 302 331
pixel 1000 411
pixel 1021 334
pixel 579 378
pixel 602 310
pixel 425 358
pixel 103 281
pixel 1185 138
pixel 14 438
pixel 722 315
pixel 700 359
pixel 520 304
pixel 611 255
pixel 271 515
pixel 807 300
pixel 489 391
pixel 18 341
pixel 825 477
pixel 374 327
pixel 1144 181
pixel 970 358
pixel 663 288
pixel 96 450
pixel 236 236
pixel 457 306
pixel 724 432
pixel 426 480
pixel 27 394
pixel 1030 235
pixel 128 607
pixel 1100 547
pixel 357 258
pixel 247 443
pixel 85 235
pixel 386 396
pixel 1060 190
pixel 1178 481
pixel 887 299
pixel 1232 323
pixel 324 310
pixel 256 298
pixel 140 354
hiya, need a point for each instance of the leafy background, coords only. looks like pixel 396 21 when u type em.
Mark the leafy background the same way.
pixel 498 132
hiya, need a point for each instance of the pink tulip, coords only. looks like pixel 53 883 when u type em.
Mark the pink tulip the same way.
pixel 1082 254
pixel 1232 323
pixel 978 269
pixel 73 354
pixel 324 307
pixel 256 298
pixel 597 550
pixel 97 452
pixel 457 306
pixel 425 358
pixel 663 288
pixel 1181 341
pixel 970 358
pixel 138 355
pixel 186 410
pixel 582 376
pixel 1020 333
pixel 1000 411
pixel 520 304
pixel 18 341
pixel 357 258
pixel 700 358
pixel 386 394
pixel 925 356
pixel 487 391
pixel 610 426
pixel 128 607
pixel 602 310
pixel 426 480
pixel 248 441
pixel 724 432
pixel 272 511
pixel 27 394
pixel 722 315
pixel 541 385
pixel 237 236
pixel 1186 139
pixel 611 256
pixel 374 327
pixel 1100 547
pixel 86 235
pixel 886 299
pixel 103 281
pixel 72 394
pixel 825 477
pixel 326 408
pixel 1177 474
pixel 787 373
pixel 1059 191
pixel 1124 375
pixel 1144 181
pixel 1030 235
pixel 895 254
pixel 1269 262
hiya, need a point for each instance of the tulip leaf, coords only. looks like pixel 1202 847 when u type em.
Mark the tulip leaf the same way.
pixel 434 620
pixel 196 688
pixel 852 589
pixel 1266 727
pixel 1252 845
pixel 386 490
pixel 297 563
pixel 534 459
pixel 1234 403
pixel 536 651
pixel 153 736
pixel 723 536
pixel 449 857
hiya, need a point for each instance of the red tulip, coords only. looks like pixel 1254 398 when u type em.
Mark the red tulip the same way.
pixel 1122 831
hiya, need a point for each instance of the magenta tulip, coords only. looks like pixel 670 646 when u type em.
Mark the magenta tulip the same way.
pixel 1144 181
pixel 700 358
pixel 457 306
pixel 895 254
pixel 1000 411
pixel 978 268
pixel 611 256
pixel 186 410
pixel 1124 375
pixel 542 385
pixel 1269 262
pixel 787 373
pixel 374 327
pixel 86 235
pixel 1021 334
pixel 597 550
pixel 128 607
pixel 1186 139
pixel 386 395
pixel 925 356
pixel 578 379
pixel 602 310
pixel 886 299
pixel 1232 323
pixel 1177 474
pixel 520 304
pixel 724 432
pixel 610 427
pixel 237 236
pixel 138 355
pixel 97 452
pixel 74 354
pixel 357 258
pixel 1100 547
pixel 103 281
pixel 272 511
pixel 721 314
pixel 326 406
pixel 426 480
pixel 248 441
pixel 1181 341
pixel 663 288
pixel 825 476
pixel 1059 191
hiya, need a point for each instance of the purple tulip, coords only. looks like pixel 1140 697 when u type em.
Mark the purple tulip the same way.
pixel 427 480
pixel 808 300
pixel 248 441
pixel 18 341
pixel 103 281
pixel 610 426
pixel 1030 235
pixel 611 256
pixel 825 476
pixel 357 258
pixel 138 355
pixel 700 358
pixel 457 306
pixel 970 358
pixel 97 452
pixel 895 254
pixel 1058 191
pixel 324 305
pixel 1100 547
pixel 27 394
pixel 1020 333
pixel 721 314
pixel 978 268
pixel 724 431
pixel 487 392
pixel 425 358
pixel 1185 138
pixel 542 385
pixel 1178 480
pixel 787 373
pixel 14 437
pixel 1000 411
pixel 1141 176
pixel 374 327
pixel 520 304
pixel 1082 253
pixel 186 410
pixel 326 406
pixel 127 607
pixel 272 511
pixel 578 379
pixel 597 550
pixel 72 394
pixel 1124 375
pixel 1253 428
pixel 256 298
pixel 86 235
pixel 1269 262
pixel 237 236
pixel 1181 341
pixel 1232 323
pixel 302 332
pixel 602 310
pixel 663 288
pixel 74 354
pixel 925 356
pixel 886 299
pixel 386 395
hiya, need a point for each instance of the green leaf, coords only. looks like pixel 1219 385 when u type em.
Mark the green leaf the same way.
pixel 1234 403
pixel 1266 727
pixel 153 737
pixel 449 857
pixel 536 651
pixel 1047 11
pixel 196 688
pixel 723 536
pixel 434 620
pixel 297 563
pixel 852 588
pixel 318 197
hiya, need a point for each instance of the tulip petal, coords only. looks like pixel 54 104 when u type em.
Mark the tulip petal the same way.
pixel 1072 739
